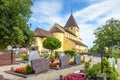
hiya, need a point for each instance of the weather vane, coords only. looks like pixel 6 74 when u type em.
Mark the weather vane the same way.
pixel 71 10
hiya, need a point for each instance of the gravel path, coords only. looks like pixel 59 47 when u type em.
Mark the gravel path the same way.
pixel 51 74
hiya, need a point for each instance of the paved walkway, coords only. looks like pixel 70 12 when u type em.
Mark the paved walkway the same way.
pixel 51 74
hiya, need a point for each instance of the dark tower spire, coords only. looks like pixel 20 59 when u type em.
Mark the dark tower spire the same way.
pixel 71 22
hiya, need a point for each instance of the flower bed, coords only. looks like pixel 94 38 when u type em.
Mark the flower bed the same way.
pixel 20 69
pixel 71 63
pixel 54 64
pixel 74 77
pixel 24 70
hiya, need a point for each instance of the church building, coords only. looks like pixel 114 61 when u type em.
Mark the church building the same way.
pixel 68 35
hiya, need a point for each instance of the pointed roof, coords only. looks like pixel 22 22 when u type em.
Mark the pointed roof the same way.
pixel 71 22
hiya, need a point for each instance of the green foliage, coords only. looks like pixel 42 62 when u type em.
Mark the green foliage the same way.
pixel 51 43
pixel 93 71
pixel 87 65
pixel 56 54
pixel 94 49
pixel 111 72
pixel 25 58
pixel 108 35
pixel 70 53
pixel 28 69
pixel 44 55
pixel 18 56
pixel 105 63
pixel 14 27
pixel 3 47
pixel 52 58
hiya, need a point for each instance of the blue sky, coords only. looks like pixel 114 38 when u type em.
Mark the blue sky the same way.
pixel 89 14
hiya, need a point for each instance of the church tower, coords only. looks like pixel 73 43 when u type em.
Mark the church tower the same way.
pixel 72 26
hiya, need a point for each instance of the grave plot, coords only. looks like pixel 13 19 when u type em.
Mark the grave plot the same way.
pixel 37 66
pixel 63 63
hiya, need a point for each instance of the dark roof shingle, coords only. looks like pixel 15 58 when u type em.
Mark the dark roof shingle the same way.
pixel 71 22
pixel 42 33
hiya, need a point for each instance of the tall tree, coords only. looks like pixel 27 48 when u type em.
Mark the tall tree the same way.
pixel 14 27
pixel 108 35
pixel 51 43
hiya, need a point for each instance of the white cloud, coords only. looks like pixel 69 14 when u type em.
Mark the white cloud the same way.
pixel 46 8
pixel 86 33
pixel 94 11
pixel 99 11
pixel 47 12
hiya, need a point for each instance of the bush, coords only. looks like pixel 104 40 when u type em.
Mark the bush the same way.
pixel 25 58
pixel 111 73
pixel 28 69
pixel 87 65
pixel 70 53
pixel 93 71
pixel 45 55
pixel 52 58
pixel 56 54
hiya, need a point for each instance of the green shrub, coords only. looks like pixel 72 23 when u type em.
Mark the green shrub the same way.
pixel 25 58
pixel 105 63
pixel 70 53
pixel 56 54
pixel 44 55
pixel 87 65
pixel 111 73
pixel 94 70
pixel 18 56
pixel 52 58
pixel 28 69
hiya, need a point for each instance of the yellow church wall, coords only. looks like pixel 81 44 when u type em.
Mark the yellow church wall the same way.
pixel 68 44
pixel 83 49
pixel 60 36
pixel 39 43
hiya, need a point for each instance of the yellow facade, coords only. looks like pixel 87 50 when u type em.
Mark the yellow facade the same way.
pixel 68 35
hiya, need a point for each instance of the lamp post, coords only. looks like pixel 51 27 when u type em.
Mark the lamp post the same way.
pixel 101 52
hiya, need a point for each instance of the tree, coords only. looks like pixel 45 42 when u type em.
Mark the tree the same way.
pixel 108 36
pixel 14 27
pixel 51 43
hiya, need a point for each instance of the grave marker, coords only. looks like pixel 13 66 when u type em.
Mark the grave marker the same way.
pixel 40 65
pixel 64 61
pixel 77 59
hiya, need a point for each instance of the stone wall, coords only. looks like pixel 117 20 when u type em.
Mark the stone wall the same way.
pixel 7 57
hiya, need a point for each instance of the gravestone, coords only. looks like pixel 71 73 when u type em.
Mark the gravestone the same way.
pixel 111 61
pixel 77 59
pixel 64 61
pixel 101 76
pixel 40 65
pixel 1 77
pixel 33 55
pixel 86 58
